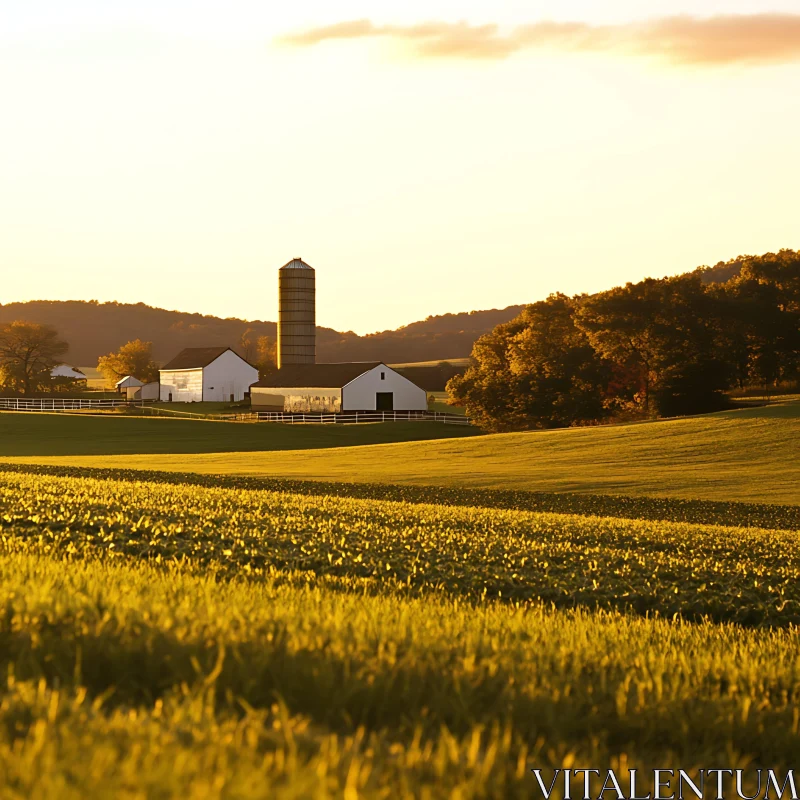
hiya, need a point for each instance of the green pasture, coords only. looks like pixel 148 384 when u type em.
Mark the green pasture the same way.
pixel 40 435
pixel 749 455
pixel 207 407
pixel 441 405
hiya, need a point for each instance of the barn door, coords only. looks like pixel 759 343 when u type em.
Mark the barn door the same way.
pixel 384 401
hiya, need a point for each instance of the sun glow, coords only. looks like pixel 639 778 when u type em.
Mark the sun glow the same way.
pixel 172 154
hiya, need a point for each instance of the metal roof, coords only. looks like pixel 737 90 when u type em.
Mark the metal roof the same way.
pixel 318 376
pixel 195 357
pixel 297 263
pixel 66 371
pixel 127 381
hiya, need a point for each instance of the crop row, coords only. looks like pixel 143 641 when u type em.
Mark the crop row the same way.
pixel 745 575
pixel 126 678
pixel 704 512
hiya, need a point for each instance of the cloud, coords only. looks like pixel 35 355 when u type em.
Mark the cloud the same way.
pixel 724 39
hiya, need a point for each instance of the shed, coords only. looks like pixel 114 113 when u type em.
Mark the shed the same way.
pixel 331 388
pixel 206 374
pixel 149 391
pixel 128 382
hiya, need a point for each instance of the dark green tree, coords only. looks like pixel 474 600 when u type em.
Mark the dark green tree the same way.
pixel 134 358
pixel 651 328
pixel 538 371
pixel 28 352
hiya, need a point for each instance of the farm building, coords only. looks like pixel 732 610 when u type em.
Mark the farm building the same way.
pixel 329 388
pixel 148 391
pixel 128 382
pixel 203 374
pixel 66 372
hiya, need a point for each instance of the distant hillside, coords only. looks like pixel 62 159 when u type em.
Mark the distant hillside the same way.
pixel 94 329
pixel 432 339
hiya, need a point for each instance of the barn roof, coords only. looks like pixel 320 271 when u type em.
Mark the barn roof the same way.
pixel 66 371
pixel 195 357
pixel 322 376
pixel 128 380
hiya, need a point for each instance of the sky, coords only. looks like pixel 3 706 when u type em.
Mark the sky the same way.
pixel 424 157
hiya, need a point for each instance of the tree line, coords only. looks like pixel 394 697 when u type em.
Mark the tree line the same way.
pixel 664 347
pixel 29 351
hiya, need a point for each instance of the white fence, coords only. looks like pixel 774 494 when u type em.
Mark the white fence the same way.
pixel 56 404
pixel 346 418
pixel 352 417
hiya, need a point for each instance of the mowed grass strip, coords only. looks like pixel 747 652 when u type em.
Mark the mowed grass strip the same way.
pixel 125 678
pixel 49 434
pixel 745 575
pixel 751 456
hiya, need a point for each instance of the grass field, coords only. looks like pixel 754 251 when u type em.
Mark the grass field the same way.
pixel 166 640
pixel 750 455
pixel 202 408
pixel 441 405
pixel 80 434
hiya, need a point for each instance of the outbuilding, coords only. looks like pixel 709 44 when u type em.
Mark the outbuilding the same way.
pixel 149 391
pixel 206 374
pixel 66 372
pixel 128 382
pixel 331 388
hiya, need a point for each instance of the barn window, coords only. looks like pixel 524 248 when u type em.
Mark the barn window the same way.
pixel 383 376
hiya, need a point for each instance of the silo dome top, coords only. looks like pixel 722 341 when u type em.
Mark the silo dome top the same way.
pixel 297 263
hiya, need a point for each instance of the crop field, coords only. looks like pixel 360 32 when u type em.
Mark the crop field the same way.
pixel 163 637
pixel 752 455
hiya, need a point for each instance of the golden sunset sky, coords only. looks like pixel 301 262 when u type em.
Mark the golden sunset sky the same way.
pixel 424 157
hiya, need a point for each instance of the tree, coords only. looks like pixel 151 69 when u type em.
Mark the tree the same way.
pixel 780 270
pixel 486 388
pixel 266 355
pixel 28 352
pixel 538 371
pixel 651 327
pixel 246 345
pixel 765 299
pixel 693 387
pixel 134 358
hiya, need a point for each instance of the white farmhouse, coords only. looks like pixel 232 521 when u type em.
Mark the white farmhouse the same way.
pixel 330 388
pixel 203 374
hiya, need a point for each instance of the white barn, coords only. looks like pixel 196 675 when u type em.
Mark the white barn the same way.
pixel 330 388
pixel 203 374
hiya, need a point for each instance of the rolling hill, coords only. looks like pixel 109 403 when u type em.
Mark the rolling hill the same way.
pixel 94 329
pixel 750 455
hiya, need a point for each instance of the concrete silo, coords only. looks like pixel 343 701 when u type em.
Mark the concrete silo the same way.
pixel 297 338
